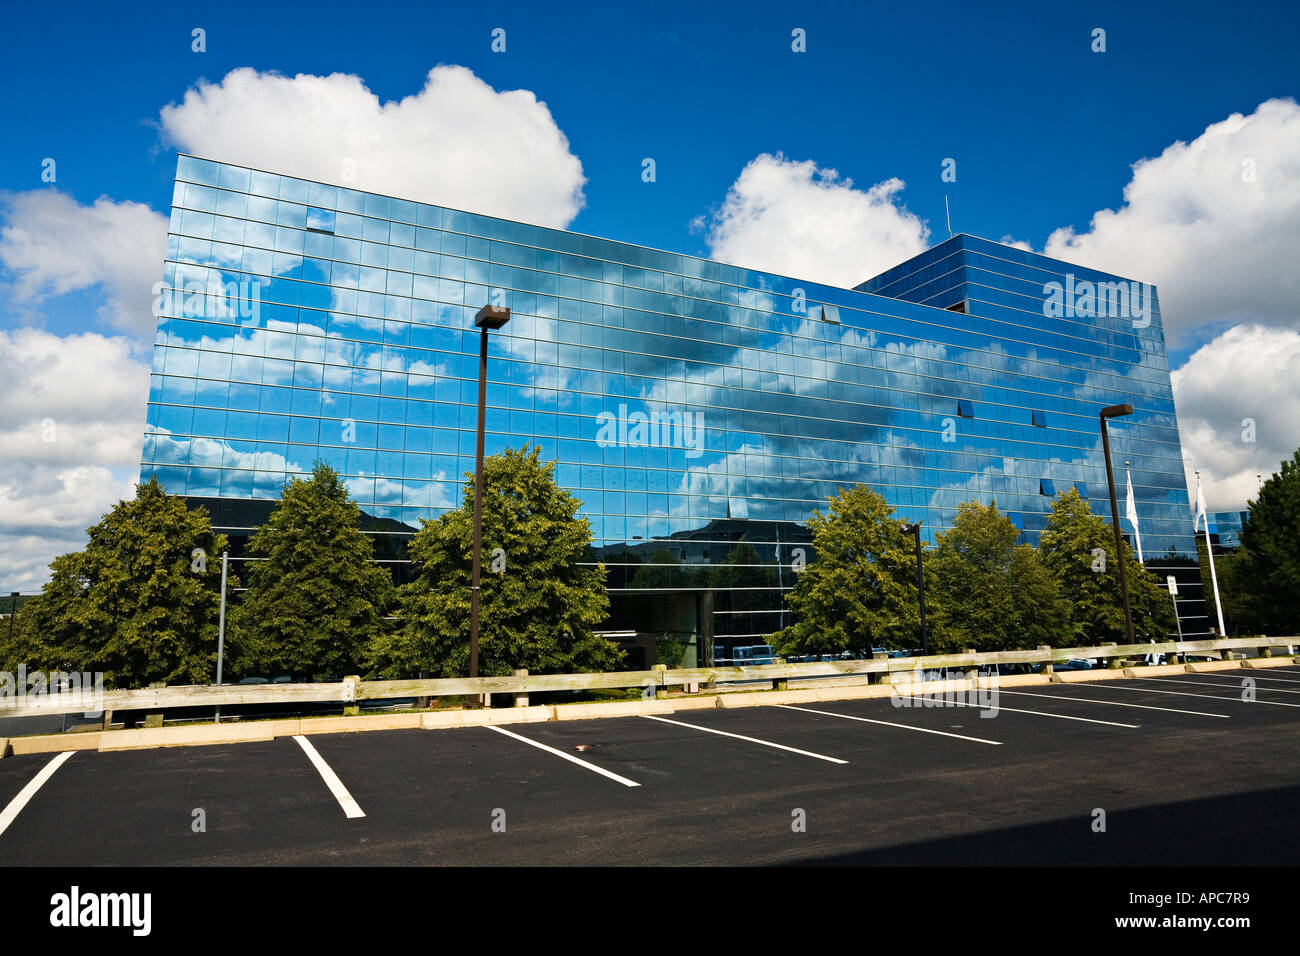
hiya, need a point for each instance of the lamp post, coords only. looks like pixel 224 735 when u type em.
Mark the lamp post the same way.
pixel 915 530
pixel 1116 411
pixel 13 610
pixel 488 317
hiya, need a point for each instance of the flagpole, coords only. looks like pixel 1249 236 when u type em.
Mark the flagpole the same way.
pixel 1214 579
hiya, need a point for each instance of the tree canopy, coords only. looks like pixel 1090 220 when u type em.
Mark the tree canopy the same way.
pixel 991 592
pixel 1261 582
pixel 318 600
pixel 861 590
pixel 139 602
pixel 1078 547
pixel 539 604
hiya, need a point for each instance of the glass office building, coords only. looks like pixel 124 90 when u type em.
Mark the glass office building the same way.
pixel 700 411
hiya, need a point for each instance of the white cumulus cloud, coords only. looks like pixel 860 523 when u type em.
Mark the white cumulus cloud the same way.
pixel 457 142
pixel 1214 223
pixel 794 219
pixel 1238 400
pixel 51 245
pixel 72 426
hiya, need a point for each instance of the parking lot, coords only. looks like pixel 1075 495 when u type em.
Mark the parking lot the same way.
pixel 1186 771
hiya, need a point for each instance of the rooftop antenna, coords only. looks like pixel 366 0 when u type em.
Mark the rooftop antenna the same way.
pixel 947 214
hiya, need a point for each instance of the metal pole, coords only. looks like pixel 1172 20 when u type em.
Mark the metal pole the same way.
pixel 920 584
pixel 1114 523
pixel 478 505
pixel 221 626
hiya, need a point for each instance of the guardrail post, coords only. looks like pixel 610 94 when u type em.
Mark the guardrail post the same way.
pixel 780 683
pixel 973 672
pixel 661 681
pixel 1112 663
pixel 155 719
pixel 883 676
pixel 1047 664
pixel 521 700
pixel 351 695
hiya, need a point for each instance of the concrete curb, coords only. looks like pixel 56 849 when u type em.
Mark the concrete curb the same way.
pixel 54 743
pixel 630 708
pixel 1255 662
pixel 196 736
pixel 1155 670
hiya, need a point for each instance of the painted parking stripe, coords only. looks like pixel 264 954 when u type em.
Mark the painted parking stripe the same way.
pixel 886 723
pixel 1255 672
pixel 1205 683
pixel 1038 713
pixel 350 807
pixel 569 757
pixel 1180 693
pixel 26 793
pixel 1114 703
pixel 752 740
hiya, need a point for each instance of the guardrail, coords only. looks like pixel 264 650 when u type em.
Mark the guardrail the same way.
pixel 352 690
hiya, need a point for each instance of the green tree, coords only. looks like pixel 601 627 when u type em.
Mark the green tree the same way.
pixel 861 590
pixel 538 605
pixel 318 600
pixel 1078 547
pixel 1261 584
pixel 995 594
pixel 139 603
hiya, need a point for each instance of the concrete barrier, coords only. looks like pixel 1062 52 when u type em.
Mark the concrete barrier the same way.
pixel 617 708
pixel 349 725
pixel 198 735
pixel 1155 670
pixel 54 743
pixel 485 716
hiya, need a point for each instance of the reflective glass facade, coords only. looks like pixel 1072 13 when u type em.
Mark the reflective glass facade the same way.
pixel 690 405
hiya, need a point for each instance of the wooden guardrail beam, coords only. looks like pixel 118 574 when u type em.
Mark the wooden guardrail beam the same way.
pixel 351 691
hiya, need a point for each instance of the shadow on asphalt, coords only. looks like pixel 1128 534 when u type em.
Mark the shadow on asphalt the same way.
pixel 1260 828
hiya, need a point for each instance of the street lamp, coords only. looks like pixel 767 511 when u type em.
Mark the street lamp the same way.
pixel 1116 411
pixel 488 317
pixel 915 530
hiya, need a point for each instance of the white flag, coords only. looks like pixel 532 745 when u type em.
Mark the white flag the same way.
pixel 1131 513
pixel 1200 509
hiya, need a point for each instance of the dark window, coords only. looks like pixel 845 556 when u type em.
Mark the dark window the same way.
pixel 1081 488
pixel 965 408
pixel 1039 419
pixel 1045 487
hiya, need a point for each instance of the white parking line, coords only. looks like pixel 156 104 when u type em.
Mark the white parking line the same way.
pixel 1114 703
pixel 886 723
pixel 1259 674
pixel 1205 683
pixel 26 793
pixel 752 740
pixel 569 757
pixel 350 807
pixel 1179 693
pixel 1038 713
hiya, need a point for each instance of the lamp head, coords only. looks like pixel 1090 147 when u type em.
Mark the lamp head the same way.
pixel 492 317
pixel 1116 411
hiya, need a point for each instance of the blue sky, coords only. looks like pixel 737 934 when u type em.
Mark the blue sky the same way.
pixel 1045 133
